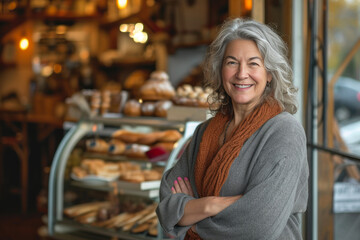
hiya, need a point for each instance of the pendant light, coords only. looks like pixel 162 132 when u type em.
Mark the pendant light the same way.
pixel 121 4
pixel 24 43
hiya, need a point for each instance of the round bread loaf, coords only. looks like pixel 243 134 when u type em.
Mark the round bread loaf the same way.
pixel 132 108
pixel 158 87
pixel 147 109
pixel 162 107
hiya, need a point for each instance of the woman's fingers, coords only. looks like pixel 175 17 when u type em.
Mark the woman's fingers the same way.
pixel 188 185
pixel 182 186
pixel 177 187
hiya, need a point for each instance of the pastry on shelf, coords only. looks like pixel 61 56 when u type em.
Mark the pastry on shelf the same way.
pixel 158 87
pixel 133 176
pixel 127 136
pixel 196 96
pixel 168 146
pixel 78 210
pixel 147 109
pixel 170 136
pixel 136 151
pixel 116 147
pixel 132 108
pixel 100 169
pixel 162 107
pixel 136 79
pixel 97 145
pixel 147 138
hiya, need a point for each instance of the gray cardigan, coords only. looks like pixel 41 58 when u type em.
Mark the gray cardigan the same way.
pixel 271 172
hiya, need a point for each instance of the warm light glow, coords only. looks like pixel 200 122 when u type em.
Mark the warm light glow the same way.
pixel 140 100
pixel 24 43
pixel 61 29
pixel 248 5
pixel 141 37
pixel 121 4
pixel 139 27
pixel 123 28
pixel 57 68
pixel 12 6
pixel 46 71
pixel 135 31
pixel 84 54
pixel 150 3
pixel 131 27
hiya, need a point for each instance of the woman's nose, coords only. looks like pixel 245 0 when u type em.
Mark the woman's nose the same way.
pixel 242 72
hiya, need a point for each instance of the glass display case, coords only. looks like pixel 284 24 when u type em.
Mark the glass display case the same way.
pixel 85 202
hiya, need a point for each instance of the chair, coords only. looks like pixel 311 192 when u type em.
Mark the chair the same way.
pixel 13 135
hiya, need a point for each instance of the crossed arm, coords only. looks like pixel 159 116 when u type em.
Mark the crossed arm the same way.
pixel 200 208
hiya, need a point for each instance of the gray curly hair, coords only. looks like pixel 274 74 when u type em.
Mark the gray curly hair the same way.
pixel 274 52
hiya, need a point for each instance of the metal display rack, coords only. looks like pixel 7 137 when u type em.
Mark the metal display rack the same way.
pixel 97 126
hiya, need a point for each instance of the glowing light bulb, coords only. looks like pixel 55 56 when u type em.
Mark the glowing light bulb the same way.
pixel 24 43
pixel 123 28
pixel 121 4
pixel 139 27
pixel 141 37
pixel 248 5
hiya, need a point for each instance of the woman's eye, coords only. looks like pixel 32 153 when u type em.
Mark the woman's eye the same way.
pixel 231 63
pixel 254 64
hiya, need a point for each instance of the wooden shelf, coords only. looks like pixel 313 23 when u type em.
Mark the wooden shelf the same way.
pixel 130 61
pixel 66 16
pixel 8 17
pixel 48 17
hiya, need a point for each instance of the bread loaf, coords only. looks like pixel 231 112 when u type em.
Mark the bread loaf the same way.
pixel 168 146
pixel 162 107
pixel 158 87
pixel 132 108
pixel 97 145
pixel 170 136
pixel 127 136
pixel 147 109
pixel 133 176
pixel 136 151
pixel 116 147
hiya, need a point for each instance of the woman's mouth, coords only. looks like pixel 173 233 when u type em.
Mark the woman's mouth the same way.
pixel 243 85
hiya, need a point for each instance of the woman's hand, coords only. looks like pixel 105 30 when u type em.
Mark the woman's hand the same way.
pixel 201 208
pixel 182 186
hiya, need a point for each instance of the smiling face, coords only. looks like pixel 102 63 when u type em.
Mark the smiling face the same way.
pixel 243 74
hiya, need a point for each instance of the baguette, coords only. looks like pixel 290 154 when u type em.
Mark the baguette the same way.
pixel 110 221
pixel 127 136
pixel 153 229
pixel 170 136
pixel 80 209
pixel 141 228
pixel 87 218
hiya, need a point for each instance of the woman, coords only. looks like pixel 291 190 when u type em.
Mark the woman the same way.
pixel 244 175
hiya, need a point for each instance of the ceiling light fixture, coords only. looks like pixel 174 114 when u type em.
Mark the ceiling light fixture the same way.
pixel 121 4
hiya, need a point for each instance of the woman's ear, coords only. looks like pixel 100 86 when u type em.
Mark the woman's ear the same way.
pixel 269 77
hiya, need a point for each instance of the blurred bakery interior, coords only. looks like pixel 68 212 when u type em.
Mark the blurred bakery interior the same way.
pixel 67 61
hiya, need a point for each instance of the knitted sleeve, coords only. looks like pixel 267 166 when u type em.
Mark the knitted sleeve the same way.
pixel 276 191
pixel 171 206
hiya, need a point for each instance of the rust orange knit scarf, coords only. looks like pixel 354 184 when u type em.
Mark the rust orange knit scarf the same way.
pixel 213 164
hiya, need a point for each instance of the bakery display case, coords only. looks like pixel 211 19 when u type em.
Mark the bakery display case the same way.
pixel 105 176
